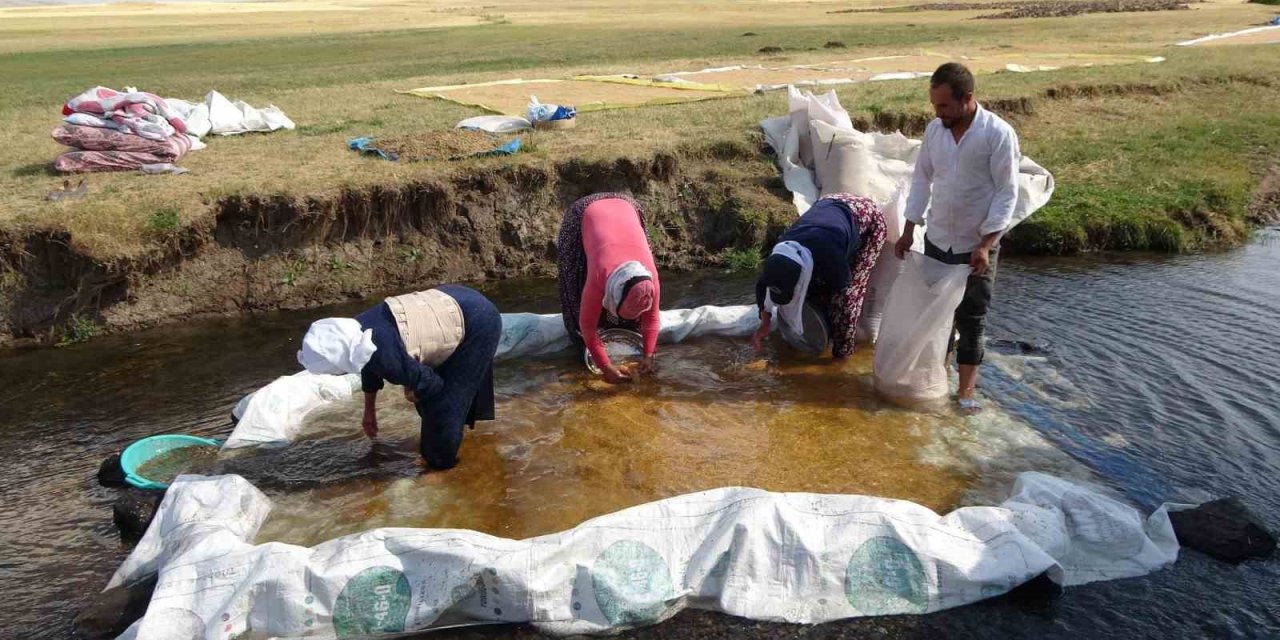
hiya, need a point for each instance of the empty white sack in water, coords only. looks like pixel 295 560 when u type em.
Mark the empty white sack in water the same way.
pixel 274 414
pixel 532 334
pixel 787 557
pixel 910 358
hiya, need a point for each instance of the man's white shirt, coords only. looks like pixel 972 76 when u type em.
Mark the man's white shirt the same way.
pixel 973 184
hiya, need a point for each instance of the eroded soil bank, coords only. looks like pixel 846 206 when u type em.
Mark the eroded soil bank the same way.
pixel 260 253
pixel 255 253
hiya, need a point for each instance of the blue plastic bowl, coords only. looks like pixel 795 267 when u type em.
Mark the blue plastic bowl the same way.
pixel 145 449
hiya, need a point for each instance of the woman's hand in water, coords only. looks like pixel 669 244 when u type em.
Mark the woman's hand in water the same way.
pixel 644 367
pixel 613 376
pixel 370 422
pixel 757 338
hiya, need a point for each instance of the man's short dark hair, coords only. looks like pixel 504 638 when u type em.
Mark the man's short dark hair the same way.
pixel 956 76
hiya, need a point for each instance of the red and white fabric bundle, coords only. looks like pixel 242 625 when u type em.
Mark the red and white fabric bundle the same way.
pixel 110 130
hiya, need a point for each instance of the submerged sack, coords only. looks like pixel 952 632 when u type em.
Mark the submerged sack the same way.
pixel 910 358
pixel 887 268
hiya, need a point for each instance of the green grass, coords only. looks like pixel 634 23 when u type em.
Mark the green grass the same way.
pixel 77 330
pixel 1174 173
pixel 293 271
pixel 261 67
pixel 742 260
pixel 1126 165
pixel 164 220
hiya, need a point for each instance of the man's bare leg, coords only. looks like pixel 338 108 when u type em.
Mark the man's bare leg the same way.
pixel 968 380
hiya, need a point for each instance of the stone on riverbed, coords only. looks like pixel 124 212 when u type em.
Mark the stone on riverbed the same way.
pixel 134 510
pixel 1224 529
pixel 111 612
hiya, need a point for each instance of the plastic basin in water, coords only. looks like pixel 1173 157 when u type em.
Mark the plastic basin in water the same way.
pixel 813 337
pixel 619 344
pixel 145 449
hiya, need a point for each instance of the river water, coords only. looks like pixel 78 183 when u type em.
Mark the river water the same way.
pixel 1155 377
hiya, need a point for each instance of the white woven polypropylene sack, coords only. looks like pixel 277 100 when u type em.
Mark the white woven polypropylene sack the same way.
pixel 910 358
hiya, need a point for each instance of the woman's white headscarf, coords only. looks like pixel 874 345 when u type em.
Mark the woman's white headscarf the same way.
pixel 790 313
pixel 613 288
pixel 336 346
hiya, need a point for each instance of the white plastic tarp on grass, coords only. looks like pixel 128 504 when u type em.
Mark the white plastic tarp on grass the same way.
pixel 1233 34
pixel 274 414
pixel 218 115
pixel 793 557
pixel 495 124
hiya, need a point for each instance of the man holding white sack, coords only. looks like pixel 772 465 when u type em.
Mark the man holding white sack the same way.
pixel 966 178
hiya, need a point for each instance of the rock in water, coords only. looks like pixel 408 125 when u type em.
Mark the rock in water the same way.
pixel 1037 594
pixel 111 474
pixel 134 510
pixel 1224 529
pixel 111 612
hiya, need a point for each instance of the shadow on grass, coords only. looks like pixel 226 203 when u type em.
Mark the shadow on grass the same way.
pixel 35 169
pixel 775 186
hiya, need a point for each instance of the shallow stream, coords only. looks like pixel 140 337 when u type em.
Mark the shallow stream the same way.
pixel 1155 377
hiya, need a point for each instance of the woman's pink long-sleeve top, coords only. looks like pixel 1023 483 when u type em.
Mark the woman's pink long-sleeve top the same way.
pixel 612 235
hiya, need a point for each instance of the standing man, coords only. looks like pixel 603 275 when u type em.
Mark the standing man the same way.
pixel 967 179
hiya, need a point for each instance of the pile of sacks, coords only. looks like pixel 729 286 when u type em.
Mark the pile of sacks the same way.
pixel 109 130
pixel 113 131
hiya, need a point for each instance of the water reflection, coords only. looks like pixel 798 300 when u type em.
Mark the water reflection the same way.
pixel 1160 376
pixel 567 447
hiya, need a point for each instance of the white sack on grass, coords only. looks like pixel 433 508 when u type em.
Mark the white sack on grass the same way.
pixel 274 414
pixel 790 138
pixel 194 114
pixel 231 118
pixel 867 164
pixel 910 357
pixel 217 114
pixel 495 124
pixel 787 557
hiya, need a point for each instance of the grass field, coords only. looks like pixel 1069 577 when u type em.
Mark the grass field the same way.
pixel 1167 161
